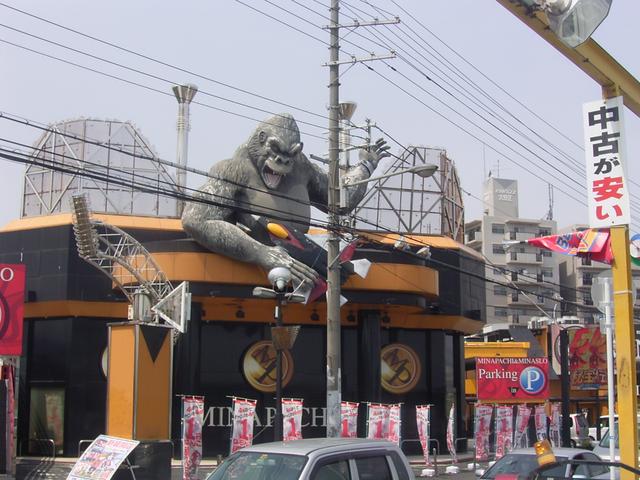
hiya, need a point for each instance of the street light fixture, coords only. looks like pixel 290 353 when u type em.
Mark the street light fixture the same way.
pixel 281 337
pixel 574 21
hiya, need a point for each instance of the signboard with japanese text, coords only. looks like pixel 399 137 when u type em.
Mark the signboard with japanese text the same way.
pixel 243 417
pixel 291 419
pixel 349 419
pixel 192 419
pixel 12 282
pixel 102 458
pixel 607 190
pixel 518 379
pixel 587 358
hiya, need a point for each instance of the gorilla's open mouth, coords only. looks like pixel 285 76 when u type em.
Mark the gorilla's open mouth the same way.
pixel 271 178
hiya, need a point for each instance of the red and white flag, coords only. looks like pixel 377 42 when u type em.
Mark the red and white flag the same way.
pixel 592 243
pixel 291 419
pixel 192 419
pixel 540 417
pixel 242 430
pixel 378 421
pixel 451 445
pixel 349 419
pixel 504 430
pixel 483 431
pixel 393 434
pixel 520 436
pixel 423 415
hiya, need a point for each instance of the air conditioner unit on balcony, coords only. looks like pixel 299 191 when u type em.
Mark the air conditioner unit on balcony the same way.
pixel 569 321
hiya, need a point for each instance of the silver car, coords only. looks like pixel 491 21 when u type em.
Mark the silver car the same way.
pixel 317 459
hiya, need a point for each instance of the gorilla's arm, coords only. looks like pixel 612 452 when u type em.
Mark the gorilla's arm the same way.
pixel 318 181
pixel 213 226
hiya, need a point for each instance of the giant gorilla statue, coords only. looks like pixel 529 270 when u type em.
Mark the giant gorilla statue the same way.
pixel 268 176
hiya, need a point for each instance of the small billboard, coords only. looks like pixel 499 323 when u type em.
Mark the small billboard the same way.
pixel 516 379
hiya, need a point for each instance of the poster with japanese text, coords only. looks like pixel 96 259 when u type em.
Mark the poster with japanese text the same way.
pixel 504 430
pixel 192 419
pixel 554 426
pixel 291 419
pixel 242 428
pixel 349 419
pixel 482 429
pixel 423 419
pixel 12 284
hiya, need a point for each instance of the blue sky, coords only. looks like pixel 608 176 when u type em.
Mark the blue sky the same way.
pixel 236 45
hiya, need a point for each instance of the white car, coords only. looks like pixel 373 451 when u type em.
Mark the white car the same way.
pixel 317 459
pixel 520 463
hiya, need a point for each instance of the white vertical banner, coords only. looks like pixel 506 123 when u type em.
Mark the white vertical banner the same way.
pixel 554 427
pixel 451 444
pixel 291 419
pixel 540 417
pixel 504 430
pixel 242 427
pixel 520 435
pixel 378 421
pixel 349 419
pixel 482 431
pixel 604 149
pixel 423 420
pixel 192 419
pixel 393 434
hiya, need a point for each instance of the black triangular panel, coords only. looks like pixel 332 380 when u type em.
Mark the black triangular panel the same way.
pixel 154 338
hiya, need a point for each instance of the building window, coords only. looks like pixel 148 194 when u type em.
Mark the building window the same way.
pixel 497 228
pixel 546 253
pixel 498 271
pixel 586 298
pixel 543 232
pixel 499 290
pixel 497 248
pixel 500 312
pixel 547 272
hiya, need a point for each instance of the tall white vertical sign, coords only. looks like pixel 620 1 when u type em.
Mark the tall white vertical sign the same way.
pixel 604 149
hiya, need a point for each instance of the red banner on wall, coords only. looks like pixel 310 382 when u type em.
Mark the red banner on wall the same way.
pixel 12 279
pixel 587 358
pixel 525 379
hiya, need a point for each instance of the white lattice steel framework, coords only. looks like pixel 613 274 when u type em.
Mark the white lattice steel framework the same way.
pixel 409 204
pixel 114 154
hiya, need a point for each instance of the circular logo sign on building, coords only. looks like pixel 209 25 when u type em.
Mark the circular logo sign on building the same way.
pixel 400 368
pixel 259 366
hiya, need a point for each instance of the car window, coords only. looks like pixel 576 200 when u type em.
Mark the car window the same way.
pixel 594 469
pixel 333 471
pixel 259 466
pixel 522 464
pixel 400 466
pixel 373 468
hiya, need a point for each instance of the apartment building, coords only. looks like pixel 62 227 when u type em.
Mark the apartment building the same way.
pixel 522 281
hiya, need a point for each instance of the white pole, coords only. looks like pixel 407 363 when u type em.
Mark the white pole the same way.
pixel 608 319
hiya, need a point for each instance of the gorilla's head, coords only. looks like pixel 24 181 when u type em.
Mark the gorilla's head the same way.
pixel 274 147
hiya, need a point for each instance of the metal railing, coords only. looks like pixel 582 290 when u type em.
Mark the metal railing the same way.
pixel 44 441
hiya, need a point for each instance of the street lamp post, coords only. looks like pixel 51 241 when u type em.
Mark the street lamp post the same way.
pixel 281 337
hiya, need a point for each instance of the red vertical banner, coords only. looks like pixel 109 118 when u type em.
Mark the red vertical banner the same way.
pixel 423 419
pixel 483 431
pixel 349 419
pixel 7 375
pixel 393 434
pixel 504 430
pixel 520 436
pixel 378 421
pixel 242 428
pixel 12 283
pixel 192 419
pixel 451 444
pixel 540 417
pixel 291 419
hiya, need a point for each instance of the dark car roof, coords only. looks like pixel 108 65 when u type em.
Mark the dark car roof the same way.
pixel 319 445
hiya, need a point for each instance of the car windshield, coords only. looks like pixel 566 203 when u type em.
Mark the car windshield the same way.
pixel 521 464
pixel 259 466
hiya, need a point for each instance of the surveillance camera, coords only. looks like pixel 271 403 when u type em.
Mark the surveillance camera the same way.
pixel 279 278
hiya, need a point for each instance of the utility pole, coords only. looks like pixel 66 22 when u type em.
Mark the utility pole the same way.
pixel 333 247
pixel 334 371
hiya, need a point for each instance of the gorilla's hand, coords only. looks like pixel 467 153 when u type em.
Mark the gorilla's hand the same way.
pixel 277 257
pixel 370 157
